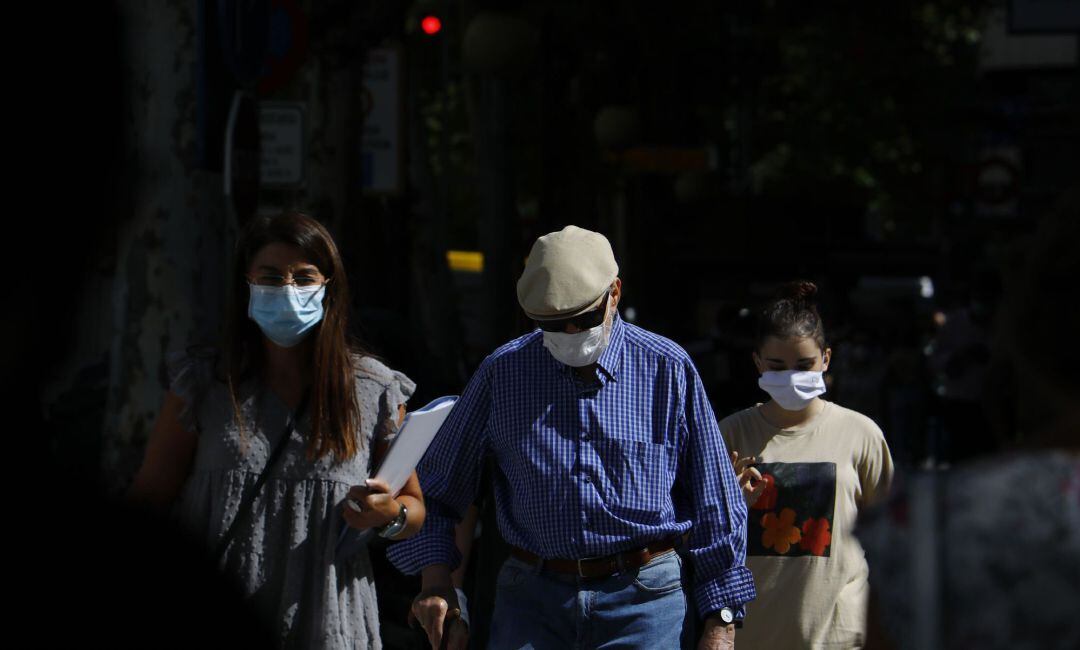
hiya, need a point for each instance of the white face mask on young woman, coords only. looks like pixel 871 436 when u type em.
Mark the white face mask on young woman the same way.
pixel 793 390
pixel 580 348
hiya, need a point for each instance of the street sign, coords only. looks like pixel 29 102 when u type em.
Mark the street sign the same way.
pixel 380 147
pixel 287 45
pixel 281 136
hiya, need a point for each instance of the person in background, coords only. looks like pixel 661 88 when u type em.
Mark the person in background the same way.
pixel 287 375
pixel 807 466
pixel 907 392
pixel 987 554
pixel 603 443
pixel 961 359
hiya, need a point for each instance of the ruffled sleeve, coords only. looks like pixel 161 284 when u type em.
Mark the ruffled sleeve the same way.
pixel 190 372
pixel 396 393
pixel 385 390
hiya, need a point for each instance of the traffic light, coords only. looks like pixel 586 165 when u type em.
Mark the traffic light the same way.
pixel 431 25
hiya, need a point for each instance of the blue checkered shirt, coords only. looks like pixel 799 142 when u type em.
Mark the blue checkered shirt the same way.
pixel 589 470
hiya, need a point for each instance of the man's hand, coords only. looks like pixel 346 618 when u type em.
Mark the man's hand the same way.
pixel 717 636
pixel 437 611
pixel 749 478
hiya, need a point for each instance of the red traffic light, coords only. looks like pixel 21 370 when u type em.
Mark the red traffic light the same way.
pixel 431 25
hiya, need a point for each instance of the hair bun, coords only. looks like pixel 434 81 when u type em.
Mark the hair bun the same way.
pixel 800 291
pixel 792 314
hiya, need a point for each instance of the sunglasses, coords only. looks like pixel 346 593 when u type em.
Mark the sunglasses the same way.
pixel 586 321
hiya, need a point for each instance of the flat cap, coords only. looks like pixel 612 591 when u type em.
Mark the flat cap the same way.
pixel 567 273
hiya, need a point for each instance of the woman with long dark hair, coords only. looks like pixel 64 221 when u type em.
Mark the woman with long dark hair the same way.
pixel 262 448
pixel 807 466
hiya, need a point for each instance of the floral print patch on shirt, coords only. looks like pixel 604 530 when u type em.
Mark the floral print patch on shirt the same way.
pixel 794 515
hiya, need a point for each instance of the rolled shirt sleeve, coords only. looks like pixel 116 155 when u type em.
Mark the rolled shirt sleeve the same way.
pixel 715 506
pixel 449 474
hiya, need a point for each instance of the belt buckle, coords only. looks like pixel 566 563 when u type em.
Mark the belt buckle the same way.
pixel 586 559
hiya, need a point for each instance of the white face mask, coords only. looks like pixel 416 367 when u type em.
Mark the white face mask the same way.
pixel 793 390
pixel 580 348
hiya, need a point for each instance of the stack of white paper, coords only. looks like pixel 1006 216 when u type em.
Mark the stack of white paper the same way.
pixel 404 454
pixel 408 447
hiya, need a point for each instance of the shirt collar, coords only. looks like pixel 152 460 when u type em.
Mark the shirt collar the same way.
pixel 611 357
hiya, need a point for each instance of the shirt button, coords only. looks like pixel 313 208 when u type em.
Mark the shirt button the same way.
pixel 585 436
pixel 586 478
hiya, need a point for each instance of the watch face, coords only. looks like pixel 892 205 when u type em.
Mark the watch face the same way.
pixel 727 616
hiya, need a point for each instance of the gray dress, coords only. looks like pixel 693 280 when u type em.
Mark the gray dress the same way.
pixel 283 555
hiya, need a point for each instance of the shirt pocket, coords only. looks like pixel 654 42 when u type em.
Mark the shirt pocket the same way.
pixel 636 479
pixel 654 419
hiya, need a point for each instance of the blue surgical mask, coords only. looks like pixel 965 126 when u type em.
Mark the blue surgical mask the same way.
pixel 286 314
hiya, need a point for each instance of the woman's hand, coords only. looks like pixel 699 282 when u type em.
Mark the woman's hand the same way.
pixel 370 505
pixel 749 478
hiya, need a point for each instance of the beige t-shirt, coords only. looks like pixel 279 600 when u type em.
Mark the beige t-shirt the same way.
pixel 809 570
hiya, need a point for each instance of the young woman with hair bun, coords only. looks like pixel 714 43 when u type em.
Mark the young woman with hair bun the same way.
pixel 806 466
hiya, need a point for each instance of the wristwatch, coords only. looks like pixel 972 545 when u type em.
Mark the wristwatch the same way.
pixel 391 530
pixel 727 617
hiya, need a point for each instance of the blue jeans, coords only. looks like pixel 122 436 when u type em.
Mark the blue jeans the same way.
pixel 540 610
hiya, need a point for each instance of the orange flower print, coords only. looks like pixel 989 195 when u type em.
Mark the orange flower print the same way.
pixel 780 532
pixel 815 536
pixel 767 500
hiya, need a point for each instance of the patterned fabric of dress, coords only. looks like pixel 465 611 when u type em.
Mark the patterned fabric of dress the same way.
pixel 283 556
pixel 1009 560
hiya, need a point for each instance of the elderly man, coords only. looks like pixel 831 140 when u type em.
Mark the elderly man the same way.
pixel 607 454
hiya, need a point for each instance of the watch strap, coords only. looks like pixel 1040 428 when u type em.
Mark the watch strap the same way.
pixel 390 530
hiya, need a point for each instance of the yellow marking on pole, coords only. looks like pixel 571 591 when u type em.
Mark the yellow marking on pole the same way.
pixel 465 261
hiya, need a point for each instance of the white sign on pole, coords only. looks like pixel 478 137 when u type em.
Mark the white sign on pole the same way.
pixel 380 148
pixel 281 131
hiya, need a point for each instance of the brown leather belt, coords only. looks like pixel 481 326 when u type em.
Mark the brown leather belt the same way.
pixel 599 567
